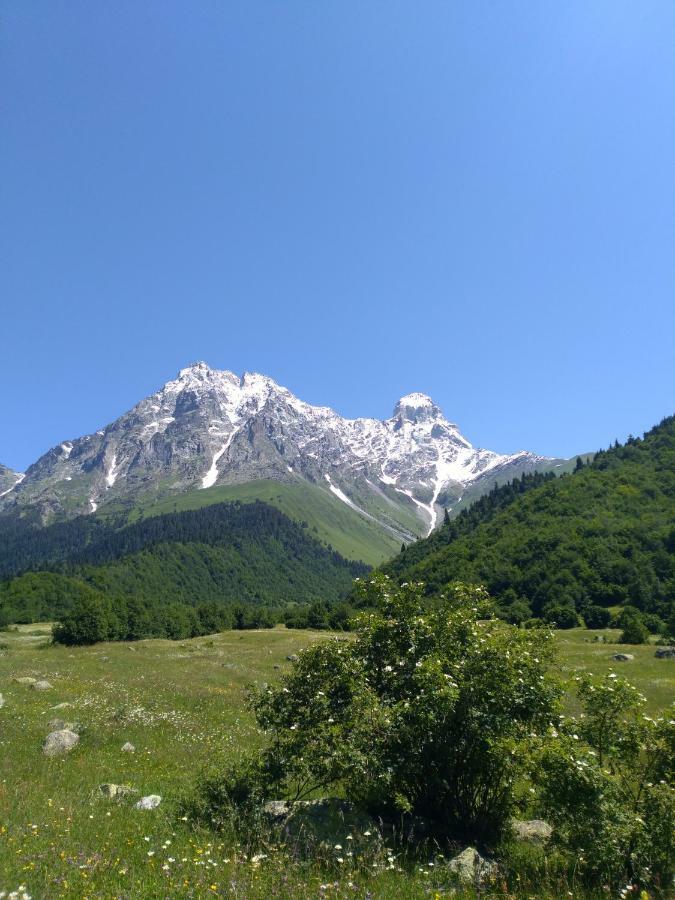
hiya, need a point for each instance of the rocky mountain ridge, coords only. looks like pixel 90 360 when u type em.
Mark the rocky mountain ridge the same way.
pixel 208 427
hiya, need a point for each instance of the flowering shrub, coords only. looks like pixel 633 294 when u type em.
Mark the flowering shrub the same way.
pixel 606 784
pixel 429 711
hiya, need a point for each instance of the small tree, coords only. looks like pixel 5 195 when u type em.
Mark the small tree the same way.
pixel 597 617
pixel 429 711
pixel 634 631
pixel 88 622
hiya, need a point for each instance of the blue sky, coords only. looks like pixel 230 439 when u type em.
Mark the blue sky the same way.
pixel 471 199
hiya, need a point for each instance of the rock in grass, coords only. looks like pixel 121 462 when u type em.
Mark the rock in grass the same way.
pixel 665 653
pixel 42 686
pixel 59 742
pixel 60 725
pixel 470 868
pixel 116 791
pixel 324 825
pixel 2 701
pixel 25 679
pixel 293 657
pixel 62 705
pixel 623 657
pixel 152 801
pixel 532 831
pixel 128 747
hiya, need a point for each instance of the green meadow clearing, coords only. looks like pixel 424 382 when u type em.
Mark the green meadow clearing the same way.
pixel 182 705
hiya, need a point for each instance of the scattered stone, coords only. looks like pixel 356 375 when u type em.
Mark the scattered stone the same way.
pixel 599 639
pixel 60 725
pixel 308 826
pixel 62 705
pixel 623 657
pixel 2 701
pixel 152 801
pixel 293 657
pixel 105 659
pixel 42 686
pixel 133 649
pixel 117 791
pixel 470 867
pixel 25 679
pixel 277 666
pixel 59 742
pixel 665 653
pixel 276 810
pixel 533 831
pixel 128 747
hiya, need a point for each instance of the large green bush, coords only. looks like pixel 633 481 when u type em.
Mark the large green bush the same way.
pixel 606 784
pixel 429 711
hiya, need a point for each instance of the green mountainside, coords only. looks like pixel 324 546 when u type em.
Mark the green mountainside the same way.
pixel 329 519
pixel 227 553
pixel 603 535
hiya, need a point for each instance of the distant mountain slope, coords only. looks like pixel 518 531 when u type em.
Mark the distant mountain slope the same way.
pixel 224 552
pixel 602 535
pixel 8 480
pixel 210 428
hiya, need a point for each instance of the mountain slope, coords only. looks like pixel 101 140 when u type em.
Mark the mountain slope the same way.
pixel 602 535
pixel 8 480
pixel 227 552
pixel 209 428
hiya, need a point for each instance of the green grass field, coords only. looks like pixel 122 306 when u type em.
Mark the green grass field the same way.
pixel 183 707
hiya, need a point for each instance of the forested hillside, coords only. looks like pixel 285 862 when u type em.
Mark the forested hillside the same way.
pixel 601 536
pixel 228 554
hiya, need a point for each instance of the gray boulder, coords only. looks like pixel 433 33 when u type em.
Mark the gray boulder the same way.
pixel 470 868
pixel 128 747
pixel 41 685
pixel 59 742
pixel 331 825
pixel 25 679
pixel 293 657
pixel 623 657
pixel 532 831
pixel 152 801
pixel 116 791
pixel 60 725
pixel 665 653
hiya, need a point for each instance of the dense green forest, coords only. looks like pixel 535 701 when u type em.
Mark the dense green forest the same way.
pixel 601 536
pixel 248 561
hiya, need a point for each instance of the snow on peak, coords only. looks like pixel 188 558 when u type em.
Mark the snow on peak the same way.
pixel 416 400
pixel 198 368
pixel 417 407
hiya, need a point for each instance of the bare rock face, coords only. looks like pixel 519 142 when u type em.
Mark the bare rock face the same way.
pixel 60 742
pixel 210 427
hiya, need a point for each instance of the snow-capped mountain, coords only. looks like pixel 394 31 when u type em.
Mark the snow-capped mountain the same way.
pixel 210 427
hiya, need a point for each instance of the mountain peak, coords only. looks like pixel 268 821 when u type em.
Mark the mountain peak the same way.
pixel 197 368
pixel 417 407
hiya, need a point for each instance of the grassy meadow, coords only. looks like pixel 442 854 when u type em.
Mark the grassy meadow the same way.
pixel 181 704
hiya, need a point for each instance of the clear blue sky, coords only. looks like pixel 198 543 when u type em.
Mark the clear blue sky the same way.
pixel 471 199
